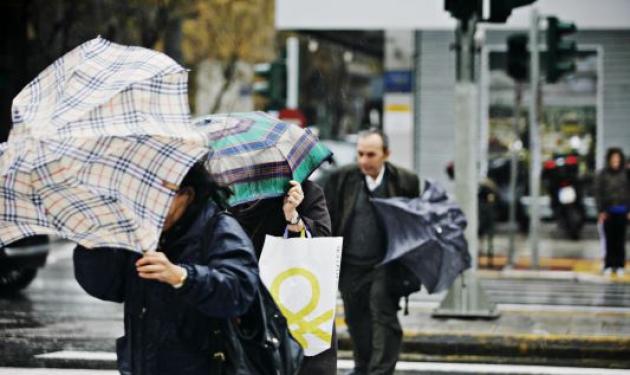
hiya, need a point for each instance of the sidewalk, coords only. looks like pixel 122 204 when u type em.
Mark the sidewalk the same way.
pixel 549 329
pixel 556 334
pixel 555 251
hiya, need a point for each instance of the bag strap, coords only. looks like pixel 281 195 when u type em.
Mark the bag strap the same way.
pixel 303 233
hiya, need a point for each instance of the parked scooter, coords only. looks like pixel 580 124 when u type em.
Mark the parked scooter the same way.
pixel 561 177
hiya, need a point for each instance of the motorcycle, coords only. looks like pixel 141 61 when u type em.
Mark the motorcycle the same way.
pixel 561 178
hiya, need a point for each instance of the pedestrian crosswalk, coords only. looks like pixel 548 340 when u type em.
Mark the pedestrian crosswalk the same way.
pixel 548 292
pixel 403 368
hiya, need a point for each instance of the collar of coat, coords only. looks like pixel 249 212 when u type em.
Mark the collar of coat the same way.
pixel 190 227
pixel 356 180
pixel 390 177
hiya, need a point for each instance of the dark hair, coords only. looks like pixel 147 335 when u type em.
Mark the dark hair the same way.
pixel 379 132
pixel 612 151
pixel 204 186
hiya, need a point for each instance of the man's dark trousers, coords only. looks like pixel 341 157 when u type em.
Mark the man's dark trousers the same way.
pixel 371 315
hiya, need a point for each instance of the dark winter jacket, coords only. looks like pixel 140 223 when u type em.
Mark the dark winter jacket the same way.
pixel 167 330
pixel 341 192
pixel 267 218
pixel 343 186
pixel 612 188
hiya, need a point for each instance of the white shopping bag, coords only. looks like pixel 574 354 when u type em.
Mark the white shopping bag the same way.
pixel 302 275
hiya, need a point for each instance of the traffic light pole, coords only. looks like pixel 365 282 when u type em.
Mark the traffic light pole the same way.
pixel 466 134
pixel 518 94
pixel 534 139
pixel 466 298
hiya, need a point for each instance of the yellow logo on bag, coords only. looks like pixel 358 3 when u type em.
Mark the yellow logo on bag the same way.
pixel 299 318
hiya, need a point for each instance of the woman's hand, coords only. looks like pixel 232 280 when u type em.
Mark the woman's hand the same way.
pixel 154 265
pixel 292 200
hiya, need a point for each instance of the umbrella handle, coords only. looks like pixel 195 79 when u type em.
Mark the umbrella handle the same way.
pixel 169 185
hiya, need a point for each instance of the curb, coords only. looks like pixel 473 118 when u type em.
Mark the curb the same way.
pixel 518 349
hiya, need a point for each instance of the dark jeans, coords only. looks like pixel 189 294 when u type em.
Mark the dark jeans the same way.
pixel 371 316
pixel 615 232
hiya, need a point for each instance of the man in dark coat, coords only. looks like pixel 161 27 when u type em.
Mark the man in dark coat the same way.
pixel 370 303
pixel 304 207
pixel 205 269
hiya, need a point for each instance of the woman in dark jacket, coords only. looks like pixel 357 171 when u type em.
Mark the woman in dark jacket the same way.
pixel 304 207
pixel 205 269
pixel 612 195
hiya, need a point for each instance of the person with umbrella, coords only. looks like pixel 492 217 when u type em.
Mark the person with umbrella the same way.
pixel 370 301
pixel 205 269
pixel 267 162
pixel 303 208
pixel 102 153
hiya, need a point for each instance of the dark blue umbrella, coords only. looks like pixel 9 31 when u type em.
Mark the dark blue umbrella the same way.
pixel 427 235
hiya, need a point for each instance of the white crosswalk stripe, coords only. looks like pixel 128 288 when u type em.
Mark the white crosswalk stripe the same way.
pixel 343 365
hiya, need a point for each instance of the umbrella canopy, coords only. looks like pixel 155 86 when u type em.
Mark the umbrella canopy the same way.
pixel 256 155
pixel 427 235
pixel 100 141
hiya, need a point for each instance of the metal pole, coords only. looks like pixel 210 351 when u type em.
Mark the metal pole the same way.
pixel 293 64
pixel 466 176
pixel 518 89
pixel 466 298
pixel 534 139
pixel 484 125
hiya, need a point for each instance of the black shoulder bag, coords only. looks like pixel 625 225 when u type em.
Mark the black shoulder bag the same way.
pixel 256 343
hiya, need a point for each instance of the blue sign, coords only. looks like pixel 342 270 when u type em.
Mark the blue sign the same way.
pixel 398 81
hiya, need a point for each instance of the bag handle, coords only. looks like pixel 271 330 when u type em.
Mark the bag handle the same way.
pixel 303 233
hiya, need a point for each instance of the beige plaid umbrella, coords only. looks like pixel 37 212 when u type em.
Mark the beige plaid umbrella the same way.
pixel 100 140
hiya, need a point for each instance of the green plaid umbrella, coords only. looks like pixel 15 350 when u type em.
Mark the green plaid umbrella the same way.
pixel 256 155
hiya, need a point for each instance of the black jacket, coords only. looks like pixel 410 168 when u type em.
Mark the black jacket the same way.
pixel 167 330
pixel 267 218
pixel 342 187
pixel 612 188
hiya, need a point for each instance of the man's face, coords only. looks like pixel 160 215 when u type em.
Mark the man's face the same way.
pixel 370 154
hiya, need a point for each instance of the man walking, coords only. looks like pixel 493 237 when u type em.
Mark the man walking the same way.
pixel 370 304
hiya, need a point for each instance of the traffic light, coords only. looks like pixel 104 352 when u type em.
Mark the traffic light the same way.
pixel 518 57
pixel 560 53
pixel 499 10
pixel 270 82
pixel 462 9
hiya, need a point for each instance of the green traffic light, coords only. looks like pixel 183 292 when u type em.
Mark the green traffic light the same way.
pixel 270 82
